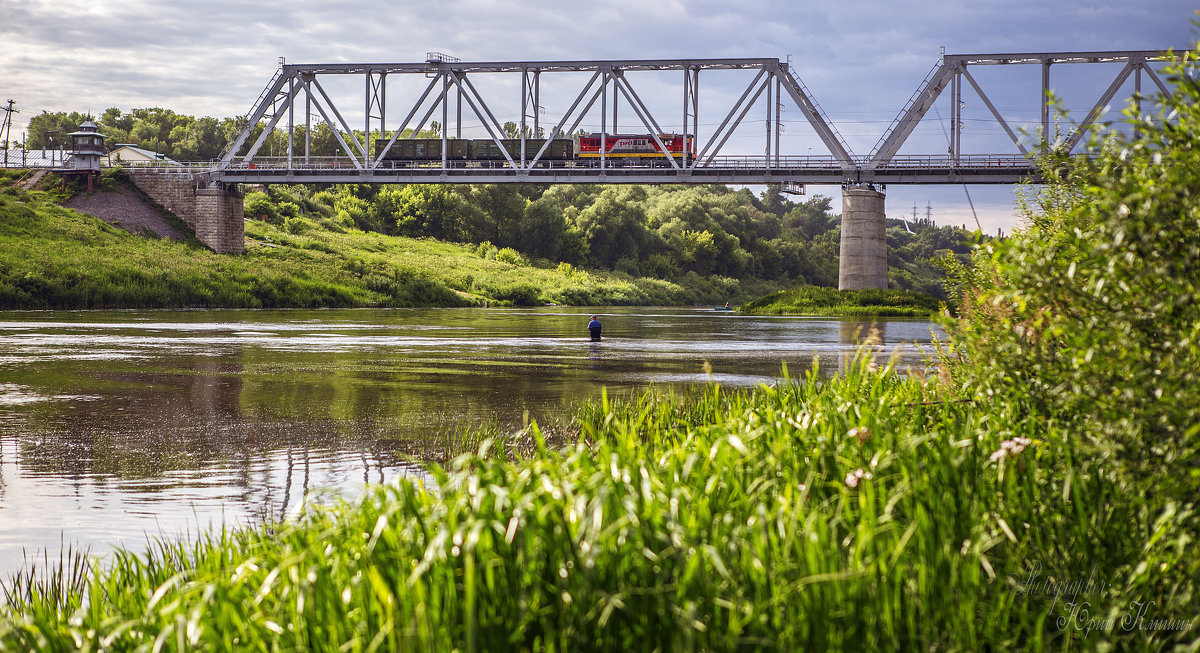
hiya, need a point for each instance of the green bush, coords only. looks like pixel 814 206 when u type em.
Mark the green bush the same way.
pixel 510 256
pixel 486 250
pixel 520 294
pixel 1086 324
pixel 813 300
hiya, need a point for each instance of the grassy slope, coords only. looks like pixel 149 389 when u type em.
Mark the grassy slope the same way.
pixel 51 257
pixel 812 300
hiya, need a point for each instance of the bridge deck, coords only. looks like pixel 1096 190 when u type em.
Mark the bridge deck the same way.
pixel 975 169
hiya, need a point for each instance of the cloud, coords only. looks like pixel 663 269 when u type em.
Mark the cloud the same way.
pixel 860 60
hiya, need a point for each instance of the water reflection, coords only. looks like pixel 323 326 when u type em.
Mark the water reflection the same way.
pixel 113 424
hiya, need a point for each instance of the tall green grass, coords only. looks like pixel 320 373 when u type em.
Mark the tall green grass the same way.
pixel 859 513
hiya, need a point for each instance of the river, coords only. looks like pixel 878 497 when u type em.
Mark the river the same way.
pixel 118 426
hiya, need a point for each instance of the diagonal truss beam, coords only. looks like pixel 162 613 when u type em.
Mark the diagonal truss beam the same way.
pixel 812 112
pixel 329 123
pixel 643 115
pixel 293 90
pixel 404 124
pixel 1099 107
pixel 952 66
pixel 991 107
pixel 458 79
pixel 269 94
pixel 918 105
pixel 1154 76
pixel 754 83
pixel 341 120
pixel 567 116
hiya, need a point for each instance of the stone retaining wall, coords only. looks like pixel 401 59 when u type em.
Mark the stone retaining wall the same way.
pixel 215 213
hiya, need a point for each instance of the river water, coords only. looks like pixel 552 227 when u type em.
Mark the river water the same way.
pixel 123 425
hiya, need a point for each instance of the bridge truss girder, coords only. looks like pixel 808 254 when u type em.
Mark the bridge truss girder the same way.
pixel 952 70
pixel 450 84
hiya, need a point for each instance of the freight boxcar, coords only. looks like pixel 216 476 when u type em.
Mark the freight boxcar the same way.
pixel 424 149
pixel 561 149
pixel 430 149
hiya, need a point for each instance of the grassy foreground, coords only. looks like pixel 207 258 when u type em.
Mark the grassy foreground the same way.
pixel 813 300
pixel 863 513
pixel 52 257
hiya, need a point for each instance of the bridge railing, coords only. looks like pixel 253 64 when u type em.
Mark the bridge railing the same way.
pixel 723 162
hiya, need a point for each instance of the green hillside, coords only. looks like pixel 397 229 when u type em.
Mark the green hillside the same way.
pixel 53 257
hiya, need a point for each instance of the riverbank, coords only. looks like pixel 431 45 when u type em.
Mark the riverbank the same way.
pixel 831 302
pixel 53 257
pixel 711 519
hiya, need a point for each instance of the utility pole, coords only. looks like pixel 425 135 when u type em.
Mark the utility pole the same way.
pixel 6 127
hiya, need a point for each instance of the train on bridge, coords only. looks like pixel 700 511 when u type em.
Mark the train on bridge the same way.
pixel 619 149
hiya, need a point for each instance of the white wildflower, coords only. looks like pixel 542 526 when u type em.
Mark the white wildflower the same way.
pixel 1010 448
pixel 855 476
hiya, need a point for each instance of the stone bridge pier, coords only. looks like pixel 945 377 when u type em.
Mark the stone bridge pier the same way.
pixel 212 209
pixel 862 261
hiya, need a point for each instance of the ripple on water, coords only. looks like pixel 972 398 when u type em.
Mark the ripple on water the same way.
pixel 127 423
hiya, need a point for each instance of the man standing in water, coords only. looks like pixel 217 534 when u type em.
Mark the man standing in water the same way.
pixel 594 328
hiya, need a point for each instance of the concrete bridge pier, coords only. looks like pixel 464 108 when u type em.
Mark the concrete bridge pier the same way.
pixel 213 210
pixel 862 261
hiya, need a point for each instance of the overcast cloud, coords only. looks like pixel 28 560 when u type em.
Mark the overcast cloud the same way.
pixel 861 60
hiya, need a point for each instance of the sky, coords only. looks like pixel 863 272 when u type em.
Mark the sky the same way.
pixel 860 60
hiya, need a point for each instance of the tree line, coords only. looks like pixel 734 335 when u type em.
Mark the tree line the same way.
pixel 659 231
pixel 665 231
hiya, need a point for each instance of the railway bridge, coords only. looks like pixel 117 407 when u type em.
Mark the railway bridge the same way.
pixel 671 146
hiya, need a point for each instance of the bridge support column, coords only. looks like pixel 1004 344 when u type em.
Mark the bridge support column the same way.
pixel 214 211
pixel 862 262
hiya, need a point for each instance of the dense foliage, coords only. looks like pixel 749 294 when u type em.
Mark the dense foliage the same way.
pixel 57 258
pixel 1088 326
pixel 673 233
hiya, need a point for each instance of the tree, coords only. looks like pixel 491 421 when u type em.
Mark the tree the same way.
pixel 542 230
pixel 810 218
pixel 500 209
pixel 422 210
pixel 49 130
pixel 614 225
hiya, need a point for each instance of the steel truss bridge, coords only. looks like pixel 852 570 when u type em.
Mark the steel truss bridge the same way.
pixel 297 91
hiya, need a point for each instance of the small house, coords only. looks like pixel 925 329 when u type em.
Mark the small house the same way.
pixel 130 155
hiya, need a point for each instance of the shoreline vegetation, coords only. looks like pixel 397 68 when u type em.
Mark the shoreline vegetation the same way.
pixel 1036 490
pixel 56 258
pixel 321 245
pixel 831 302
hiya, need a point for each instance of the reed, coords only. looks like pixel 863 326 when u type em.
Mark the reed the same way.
pixel 859 512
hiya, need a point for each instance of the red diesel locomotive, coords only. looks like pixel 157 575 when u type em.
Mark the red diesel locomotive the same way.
pixel 630 146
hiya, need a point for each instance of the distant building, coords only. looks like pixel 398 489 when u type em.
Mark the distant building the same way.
pixel 129 155
pixel 87 150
